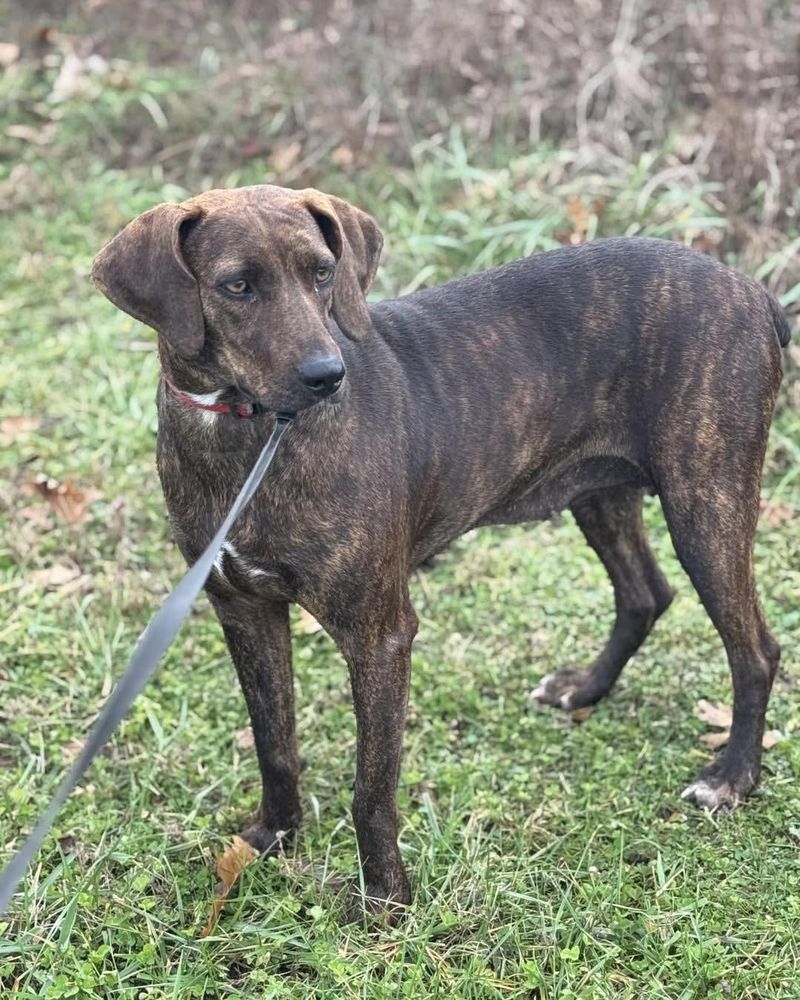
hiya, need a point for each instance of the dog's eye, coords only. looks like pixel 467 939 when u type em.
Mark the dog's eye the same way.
pixel 323 275
pixel 238 287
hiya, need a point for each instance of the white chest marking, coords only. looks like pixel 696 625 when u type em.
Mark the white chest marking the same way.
pixel 206 399
pixel 245 566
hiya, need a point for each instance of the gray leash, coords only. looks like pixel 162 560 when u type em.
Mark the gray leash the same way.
pixel 153 643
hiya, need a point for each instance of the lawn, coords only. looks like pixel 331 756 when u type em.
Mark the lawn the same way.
pixel 549 859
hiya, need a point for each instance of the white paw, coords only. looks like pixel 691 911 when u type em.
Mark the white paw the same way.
pixel 540 691
pixel 712 798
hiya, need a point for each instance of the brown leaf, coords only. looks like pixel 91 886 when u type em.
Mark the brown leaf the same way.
pixel 243 738
pixel 343 157
pixel 716 740
pixel 578 215
pixel 9 53
pixel 55 576
pixel 65 498
pixel 285 157
pixel 230 865
pixel 719 715
pixel 251 147
pixel 774 514
pixel 37 515
pixel 581 714
pixel 13 428
pixel 34 136
pixel 72 748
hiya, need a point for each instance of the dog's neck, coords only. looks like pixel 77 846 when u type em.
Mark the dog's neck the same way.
pixel 188 377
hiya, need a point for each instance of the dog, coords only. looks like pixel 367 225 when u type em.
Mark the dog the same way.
pixel 580 378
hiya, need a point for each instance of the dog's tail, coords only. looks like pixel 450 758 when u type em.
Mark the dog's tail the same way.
pixel 780 320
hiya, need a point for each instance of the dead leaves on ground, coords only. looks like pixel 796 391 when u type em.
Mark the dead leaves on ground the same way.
pixel 583 218
pixel 55 577
pixel 775 514
pixel 720 716
pixel 69 502
pixel 244 739
pixel 230 865
pixel 14 428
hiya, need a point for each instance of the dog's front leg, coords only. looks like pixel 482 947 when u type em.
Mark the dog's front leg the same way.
pixel 259 641
pixel 378 654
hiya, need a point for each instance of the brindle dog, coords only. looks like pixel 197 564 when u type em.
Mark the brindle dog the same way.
pixel 579 378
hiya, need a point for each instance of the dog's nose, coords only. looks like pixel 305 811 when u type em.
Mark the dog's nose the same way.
pixel 322 374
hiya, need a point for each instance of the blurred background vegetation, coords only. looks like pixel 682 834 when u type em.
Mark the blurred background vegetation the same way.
pixel 699 94
pixel 474 131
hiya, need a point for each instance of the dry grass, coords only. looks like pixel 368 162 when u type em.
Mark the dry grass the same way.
pixel 716 81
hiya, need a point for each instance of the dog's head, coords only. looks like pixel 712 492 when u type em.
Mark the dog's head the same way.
pixel 241 285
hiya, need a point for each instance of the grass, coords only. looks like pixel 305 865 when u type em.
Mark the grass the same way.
pixel 548 859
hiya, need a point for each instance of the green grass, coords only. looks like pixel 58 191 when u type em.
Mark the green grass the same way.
pixel 549 860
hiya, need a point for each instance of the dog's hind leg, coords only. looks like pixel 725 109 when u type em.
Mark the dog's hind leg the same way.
pixel 611 521
pixel 259 641
pixel 712 530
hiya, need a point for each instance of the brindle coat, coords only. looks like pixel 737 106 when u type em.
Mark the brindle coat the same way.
pixel 580 378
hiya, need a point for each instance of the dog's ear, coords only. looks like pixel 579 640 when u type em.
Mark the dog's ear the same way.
pixel 356 243
pixel 142 271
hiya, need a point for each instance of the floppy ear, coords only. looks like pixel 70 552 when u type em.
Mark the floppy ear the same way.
pixel 356 242
pixel 142 271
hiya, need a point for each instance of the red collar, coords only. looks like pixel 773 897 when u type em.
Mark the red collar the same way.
pixel 242 410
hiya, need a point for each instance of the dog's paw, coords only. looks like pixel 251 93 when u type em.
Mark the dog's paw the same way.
pixel 376 902
pixel 719 788
pixel 569 689
pixel 711 797
pixel 267 840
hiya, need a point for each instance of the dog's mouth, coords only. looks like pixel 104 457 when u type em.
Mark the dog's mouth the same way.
pixel 282 402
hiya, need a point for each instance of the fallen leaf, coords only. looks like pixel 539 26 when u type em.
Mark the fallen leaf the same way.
pixel 719 715
pixel 230 865
pixel 35 136
pixel 581 714
pixel 716 740
pixel 9 53
pixel 308 623
pixel 578 215
pixel 251 147
pixel 37 515
pixel 72 748
pixel 55 576
pixel 343 157
pixel 774 514
pixel 65 498
pixel 13 428
pixel 243 738
pixel 599 204
pixel 285 157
